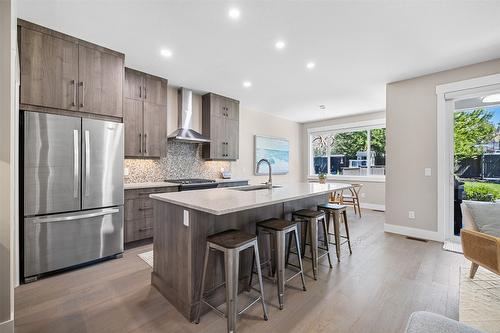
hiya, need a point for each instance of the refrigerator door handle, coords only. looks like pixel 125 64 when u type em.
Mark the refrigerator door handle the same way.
pixel 75 162
pixel 87 162
pixel 66 218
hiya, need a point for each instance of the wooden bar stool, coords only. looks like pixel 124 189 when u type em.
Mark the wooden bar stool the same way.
pixel 313 218
pixel 352 199
pixel 336 211
pixel 278 229
pixel 231 243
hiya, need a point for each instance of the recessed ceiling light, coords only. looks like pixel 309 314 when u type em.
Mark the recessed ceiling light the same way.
pixel 234 13
pixel 491 98
pixel 279 45
pixel 310 65
pixel 247 84
pixel 166 53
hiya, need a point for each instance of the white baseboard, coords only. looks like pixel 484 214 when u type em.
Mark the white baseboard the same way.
pixel 373 206
pixel 7 326
pixel 413 232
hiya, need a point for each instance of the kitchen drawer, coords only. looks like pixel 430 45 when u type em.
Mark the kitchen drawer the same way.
pixel 139 212
pixel 138 208
pixel 145 192
pixel 138 229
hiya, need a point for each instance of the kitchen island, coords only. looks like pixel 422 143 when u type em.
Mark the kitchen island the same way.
pixel 183 220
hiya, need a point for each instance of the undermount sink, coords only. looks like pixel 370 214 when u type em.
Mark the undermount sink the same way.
pixel 253 187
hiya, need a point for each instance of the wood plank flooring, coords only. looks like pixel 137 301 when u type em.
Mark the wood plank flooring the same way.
pixel 374 290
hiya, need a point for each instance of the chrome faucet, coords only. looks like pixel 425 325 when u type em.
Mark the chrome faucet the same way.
pixel 269 183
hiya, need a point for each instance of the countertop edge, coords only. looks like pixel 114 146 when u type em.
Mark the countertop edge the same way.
pixel 138 186
pixel 242 208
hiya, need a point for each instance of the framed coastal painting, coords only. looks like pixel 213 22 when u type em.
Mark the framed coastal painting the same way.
pixel 275 150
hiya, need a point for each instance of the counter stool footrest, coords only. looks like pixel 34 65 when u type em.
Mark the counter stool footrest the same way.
pixel 254 301
pixel 219 312
pixel 309 258
pixel 293 276
pixel 341 243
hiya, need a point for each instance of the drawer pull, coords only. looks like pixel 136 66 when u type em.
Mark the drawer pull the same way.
pixel 145 229
pixel 145 208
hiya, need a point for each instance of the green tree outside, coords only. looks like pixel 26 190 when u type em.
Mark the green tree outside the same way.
pixel 349 143
pixel 472 128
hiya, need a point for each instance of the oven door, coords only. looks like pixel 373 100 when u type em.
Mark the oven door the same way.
pixel 192 187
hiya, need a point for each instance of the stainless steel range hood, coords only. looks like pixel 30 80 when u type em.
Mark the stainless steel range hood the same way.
pixel 185 133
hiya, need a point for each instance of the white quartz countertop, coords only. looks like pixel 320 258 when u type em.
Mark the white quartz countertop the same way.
pixel 220 201
pixel 134 186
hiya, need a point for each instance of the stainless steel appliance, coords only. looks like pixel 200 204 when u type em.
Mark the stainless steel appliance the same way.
pixel 73 191
pixel 193 184
pixel 185 110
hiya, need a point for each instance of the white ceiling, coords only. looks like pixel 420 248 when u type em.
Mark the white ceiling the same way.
pixel 358 46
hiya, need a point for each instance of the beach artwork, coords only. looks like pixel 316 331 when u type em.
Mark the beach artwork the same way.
pixel 276 150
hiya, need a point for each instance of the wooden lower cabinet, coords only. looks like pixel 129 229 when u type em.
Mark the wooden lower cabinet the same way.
pixel 139 212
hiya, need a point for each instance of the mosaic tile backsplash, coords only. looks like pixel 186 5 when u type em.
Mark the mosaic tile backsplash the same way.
pixel 183 161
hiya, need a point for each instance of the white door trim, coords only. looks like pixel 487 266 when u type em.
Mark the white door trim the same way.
pixel 445 144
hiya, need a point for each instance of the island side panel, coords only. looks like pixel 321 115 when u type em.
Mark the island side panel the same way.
pixel 171 248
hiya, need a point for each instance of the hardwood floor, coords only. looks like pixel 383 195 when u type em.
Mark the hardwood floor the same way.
pixel 374 290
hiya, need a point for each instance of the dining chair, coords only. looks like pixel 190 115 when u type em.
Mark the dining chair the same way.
pixel 352 198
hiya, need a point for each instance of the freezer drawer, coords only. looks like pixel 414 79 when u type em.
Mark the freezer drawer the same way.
pixel 53 242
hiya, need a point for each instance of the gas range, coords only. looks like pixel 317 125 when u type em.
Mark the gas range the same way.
pixel 190 184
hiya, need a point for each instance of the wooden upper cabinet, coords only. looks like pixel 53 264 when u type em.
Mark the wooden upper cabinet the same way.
pixel 232 109
pixel 101 82
pixel 145 87
pixel 134 84
pixel 49 71
pixel 221 123
pixel 155 128
pixel 145 115
pixel 67 74
pixel 155 90
pixel 133 127
pixel 232 139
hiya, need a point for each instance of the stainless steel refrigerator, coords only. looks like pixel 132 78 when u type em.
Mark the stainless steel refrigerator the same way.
pixel 73 191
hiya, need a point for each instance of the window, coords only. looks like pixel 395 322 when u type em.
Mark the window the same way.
pixel 351 151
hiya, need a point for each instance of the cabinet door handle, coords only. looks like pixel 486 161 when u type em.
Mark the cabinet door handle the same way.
pixel 140 143
pixel 145 144
pixel 140 91
pixel 74 92
pixel 145 93
pixel 82 104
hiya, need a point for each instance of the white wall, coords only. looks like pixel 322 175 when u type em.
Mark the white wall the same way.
pixel 257 123
pixel 373 191
pixel 7 72
pixel 412 146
